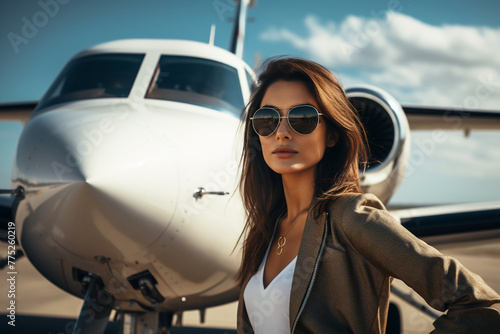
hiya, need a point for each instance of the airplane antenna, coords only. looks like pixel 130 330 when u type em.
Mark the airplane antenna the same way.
pixel 257 61
pixel 239 28
pixel 212 35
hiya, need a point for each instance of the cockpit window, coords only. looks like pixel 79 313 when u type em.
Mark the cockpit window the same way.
pixel 94 77
pixel 197 81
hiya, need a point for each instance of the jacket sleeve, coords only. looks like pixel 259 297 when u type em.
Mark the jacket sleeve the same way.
pixel 473 307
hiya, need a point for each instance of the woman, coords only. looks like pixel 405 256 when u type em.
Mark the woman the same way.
pixel 318 255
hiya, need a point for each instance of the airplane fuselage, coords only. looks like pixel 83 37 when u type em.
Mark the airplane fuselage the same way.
pixel 111 181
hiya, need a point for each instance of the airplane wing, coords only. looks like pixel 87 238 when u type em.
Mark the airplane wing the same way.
pixel 429 118
pixel 449 219
pixel 8 233
pixel 6 216
pixel 17 111
pixel 20 112
pixel 9 200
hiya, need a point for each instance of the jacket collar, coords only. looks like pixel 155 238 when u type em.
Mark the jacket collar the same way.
pixel 308 253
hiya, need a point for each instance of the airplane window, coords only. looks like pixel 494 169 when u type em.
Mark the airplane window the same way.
pixel 94 77
pixel 197 81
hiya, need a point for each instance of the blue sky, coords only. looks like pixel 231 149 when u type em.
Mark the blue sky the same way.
pixel 423 52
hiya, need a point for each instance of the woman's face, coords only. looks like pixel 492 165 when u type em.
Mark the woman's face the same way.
pixel 286 151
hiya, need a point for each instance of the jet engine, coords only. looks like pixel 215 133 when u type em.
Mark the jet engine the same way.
pixel 388 136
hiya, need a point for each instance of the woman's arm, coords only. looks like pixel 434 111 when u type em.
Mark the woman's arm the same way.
pixel 473 307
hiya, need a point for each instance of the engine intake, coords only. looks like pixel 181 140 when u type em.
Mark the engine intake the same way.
pixel 388 135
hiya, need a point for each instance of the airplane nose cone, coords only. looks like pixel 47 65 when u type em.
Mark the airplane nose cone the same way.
pixel 100 183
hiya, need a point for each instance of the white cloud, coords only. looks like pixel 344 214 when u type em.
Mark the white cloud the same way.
pixel 476 157
pixel 418 63
pixel 457 170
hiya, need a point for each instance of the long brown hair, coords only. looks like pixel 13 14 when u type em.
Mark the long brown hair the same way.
pixel 336 173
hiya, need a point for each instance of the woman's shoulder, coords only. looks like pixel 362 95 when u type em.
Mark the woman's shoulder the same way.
pixel 354 208
pixel 356 202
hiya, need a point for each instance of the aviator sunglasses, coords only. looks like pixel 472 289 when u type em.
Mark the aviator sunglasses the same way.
pixel 303 119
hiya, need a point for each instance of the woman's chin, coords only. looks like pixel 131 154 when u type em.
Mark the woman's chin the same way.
pixel 290 169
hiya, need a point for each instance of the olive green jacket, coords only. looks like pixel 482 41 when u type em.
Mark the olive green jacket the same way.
pixel 344 269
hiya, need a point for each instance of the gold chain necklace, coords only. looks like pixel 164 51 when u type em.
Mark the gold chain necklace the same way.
pixel 282 240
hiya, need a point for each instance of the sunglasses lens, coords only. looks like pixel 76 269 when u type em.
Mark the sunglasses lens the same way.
pixel 265 121
pixel 303 119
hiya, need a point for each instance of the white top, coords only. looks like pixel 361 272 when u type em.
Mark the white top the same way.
pixel 268 308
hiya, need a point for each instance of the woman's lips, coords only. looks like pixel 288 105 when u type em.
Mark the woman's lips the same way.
pixel 284 152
